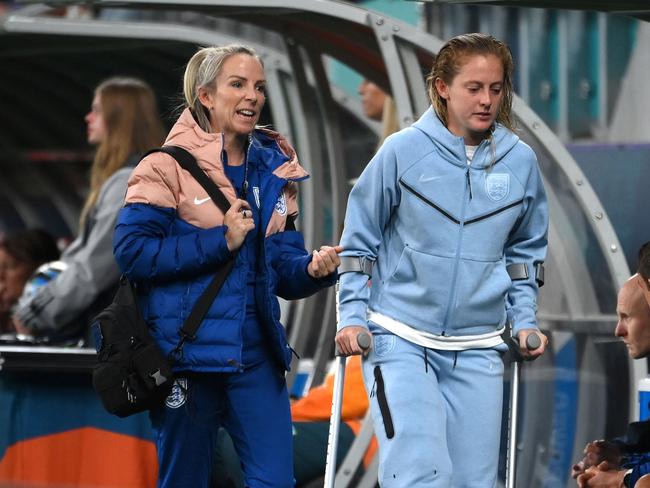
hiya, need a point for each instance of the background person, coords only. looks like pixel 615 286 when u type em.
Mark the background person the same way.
pixel 123 122
pixel 21 253
pixel 170 240
pixel 378 105
pixel 625 461
pixel 441 292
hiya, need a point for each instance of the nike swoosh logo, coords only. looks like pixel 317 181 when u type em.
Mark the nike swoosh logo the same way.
pixel 424 179
pixel 199 202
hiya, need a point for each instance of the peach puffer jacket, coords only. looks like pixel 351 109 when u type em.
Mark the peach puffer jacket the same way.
pixel 170 240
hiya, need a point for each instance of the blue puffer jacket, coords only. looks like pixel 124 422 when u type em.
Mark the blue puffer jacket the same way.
pixel 441 233
pixel 170 240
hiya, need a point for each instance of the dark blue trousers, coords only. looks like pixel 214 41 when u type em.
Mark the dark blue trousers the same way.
pixel 252 406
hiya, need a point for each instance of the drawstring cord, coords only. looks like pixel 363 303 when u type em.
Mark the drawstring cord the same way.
pixel 426 362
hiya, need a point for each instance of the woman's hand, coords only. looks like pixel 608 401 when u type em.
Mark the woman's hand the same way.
pixel 347 340
pixel 324 261
pixel 527 353
pixel 239 220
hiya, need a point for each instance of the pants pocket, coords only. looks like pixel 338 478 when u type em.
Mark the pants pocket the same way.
pixel 383 404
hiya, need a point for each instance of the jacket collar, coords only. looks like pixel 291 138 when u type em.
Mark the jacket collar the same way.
pixel 187 133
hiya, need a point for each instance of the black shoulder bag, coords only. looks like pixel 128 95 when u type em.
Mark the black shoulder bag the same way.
pixel 132 373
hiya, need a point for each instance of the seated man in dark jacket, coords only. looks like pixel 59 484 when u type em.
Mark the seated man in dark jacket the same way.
pixel 624 462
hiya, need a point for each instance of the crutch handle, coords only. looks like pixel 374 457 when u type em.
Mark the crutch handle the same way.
pixel 533 342
pixel 363 340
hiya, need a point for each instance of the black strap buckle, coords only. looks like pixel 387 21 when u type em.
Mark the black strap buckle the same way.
pixel 177 352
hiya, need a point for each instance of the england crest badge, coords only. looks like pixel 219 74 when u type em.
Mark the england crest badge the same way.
pixel 281 205
pixel 497 186
pixel 178 395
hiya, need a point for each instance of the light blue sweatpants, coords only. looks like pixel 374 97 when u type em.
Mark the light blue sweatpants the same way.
pixel 437 414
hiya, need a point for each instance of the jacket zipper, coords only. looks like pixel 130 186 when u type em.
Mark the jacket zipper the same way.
pixel 454 282
pixel 454 279
pixel 267 296
pixel 244 185
pixel 243 196
pixel 244 189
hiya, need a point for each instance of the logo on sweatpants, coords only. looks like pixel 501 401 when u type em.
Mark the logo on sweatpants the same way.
pixel 178 395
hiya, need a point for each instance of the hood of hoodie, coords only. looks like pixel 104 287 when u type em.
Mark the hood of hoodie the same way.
pixel 452 147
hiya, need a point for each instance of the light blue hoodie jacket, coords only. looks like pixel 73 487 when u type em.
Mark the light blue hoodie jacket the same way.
pixel 441 233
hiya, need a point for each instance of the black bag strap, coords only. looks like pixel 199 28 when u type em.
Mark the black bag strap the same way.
pixel 193 321
pixel 186 161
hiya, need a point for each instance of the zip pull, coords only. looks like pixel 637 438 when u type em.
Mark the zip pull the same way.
pixel 244 189
pixel 469 183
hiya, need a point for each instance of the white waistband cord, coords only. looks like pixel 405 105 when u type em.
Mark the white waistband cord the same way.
pixel 433 341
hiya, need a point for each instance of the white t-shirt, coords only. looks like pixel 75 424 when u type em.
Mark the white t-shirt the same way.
pixel 469 152
pixel 433 341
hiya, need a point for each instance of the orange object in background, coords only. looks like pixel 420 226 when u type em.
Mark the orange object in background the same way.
pixel 85 457
pixel 317 404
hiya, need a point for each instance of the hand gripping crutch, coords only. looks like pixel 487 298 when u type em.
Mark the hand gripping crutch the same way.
pixel 532 342
pixel 363 340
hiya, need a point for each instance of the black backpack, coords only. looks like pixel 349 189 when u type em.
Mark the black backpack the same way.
pixel 132 373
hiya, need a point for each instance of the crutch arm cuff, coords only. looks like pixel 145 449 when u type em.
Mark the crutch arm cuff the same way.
pixel 519 271
pixel 355 264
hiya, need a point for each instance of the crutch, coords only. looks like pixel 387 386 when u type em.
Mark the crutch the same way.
pixel 532 342
pixel 363 340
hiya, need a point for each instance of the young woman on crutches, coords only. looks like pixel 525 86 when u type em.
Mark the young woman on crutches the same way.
pixel 451 214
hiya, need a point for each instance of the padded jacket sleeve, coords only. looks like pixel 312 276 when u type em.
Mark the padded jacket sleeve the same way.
pixel 146 250
pixel 294 281
pixel 148 245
